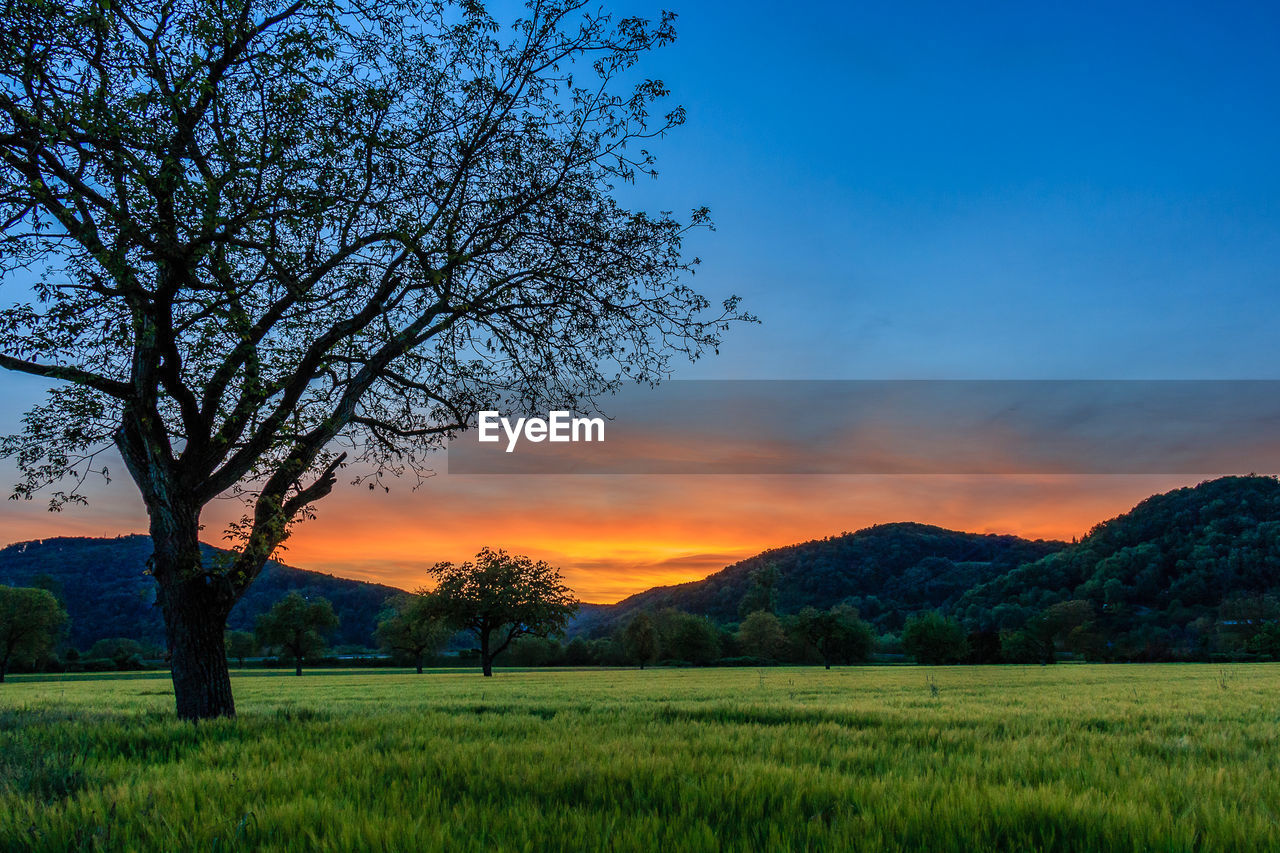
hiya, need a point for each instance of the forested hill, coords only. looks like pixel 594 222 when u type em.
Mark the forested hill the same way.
pixel 887 572
pixel 106 592
pixel 1176 574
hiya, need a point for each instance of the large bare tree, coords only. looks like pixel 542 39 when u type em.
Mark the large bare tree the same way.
pixel 266 238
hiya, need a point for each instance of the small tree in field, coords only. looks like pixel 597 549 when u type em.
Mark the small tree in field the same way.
pixel 30 620
pixel 837 635
pixel 499 597
pixel 258 240
pixel 412 627
pixel 762 635
pixel 240 645
pixel 297 626
pixel 686 637
pixel 931 638
pixel 640 639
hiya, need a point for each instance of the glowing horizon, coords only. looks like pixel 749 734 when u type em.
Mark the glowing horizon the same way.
pixel 619 535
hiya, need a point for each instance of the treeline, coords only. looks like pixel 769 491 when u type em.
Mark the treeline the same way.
pixel 671 637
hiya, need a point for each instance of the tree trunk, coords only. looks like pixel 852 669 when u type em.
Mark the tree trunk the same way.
pixel 419 662
pixel 486 659
pixel 194 624
pixel 297 665
pixel 195 606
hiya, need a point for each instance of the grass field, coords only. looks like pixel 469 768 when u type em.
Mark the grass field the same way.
pixel 1072 757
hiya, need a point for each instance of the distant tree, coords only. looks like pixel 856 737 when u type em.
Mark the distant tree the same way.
pixel 1021 647
pixel 1066 621
pixel 762 595
pixel 837 635
pixel 640 639
pixel 30 620
pixel 762 635
pixel 240 645
pixel 499 597
pixel 535 651
pixel 609 652
pixel 297 626
pixel 1266 642
pixel 579 652
pixel 689 638
pixel 123 652
pixel 931 638
pixel 412 627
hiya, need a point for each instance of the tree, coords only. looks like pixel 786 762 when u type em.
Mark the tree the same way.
pixel 640 639
pixel 411 626
pixel 579 652
pixel 837 635
pixel 297 626
pixel 1021 647
pixel 499 597
pixel 931 638
pixel 30 620
pixel 762 635
pixel 762 595
pixel 1038 640
pixel 535 651
pixel 240 645
pixel 268 238
pixel 685 637
pixel 123 652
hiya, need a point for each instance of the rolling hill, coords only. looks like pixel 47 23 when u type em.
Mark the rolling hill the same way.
pixel 107 593
pixel 1192 570
pixel 887 571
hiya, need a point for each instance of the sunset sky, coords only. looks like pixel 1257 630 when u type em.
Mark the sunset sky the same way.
pixel 901 191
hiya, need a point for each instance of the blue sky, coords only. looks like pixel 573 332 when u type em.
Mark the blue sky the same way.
pixel 1006 190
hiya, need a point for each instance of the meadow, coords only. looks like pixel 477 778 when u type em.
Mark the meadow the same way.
pixel 1068 757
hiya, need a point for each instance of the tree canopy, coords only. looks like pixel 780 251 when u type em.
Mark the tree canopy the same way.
pixel 30 620
pixel 931 638
pixel 837 634
pixel 499 597
pixel 298 626
pixel 640 640
pixel 411 626
pixel 270 238
pixel 240 645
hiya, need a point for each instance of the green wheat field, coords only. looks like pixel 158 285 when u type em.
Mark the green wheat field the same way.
pixel 1068 757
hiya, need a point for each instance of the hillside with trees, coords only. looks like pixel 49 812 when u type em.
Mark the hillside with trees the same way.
pixel 107 593
pixel 885 572
pixel 1191 572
